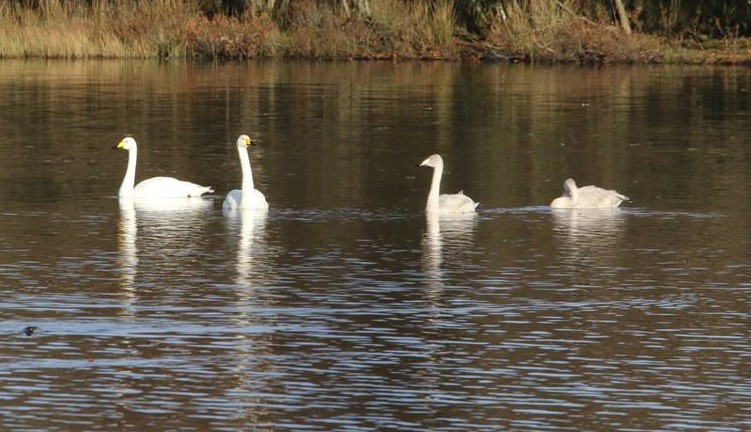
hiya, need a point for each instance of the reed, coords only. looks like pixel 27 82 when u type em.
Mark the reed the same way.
pixel 530 28
pixel 433 26
pixel 392 29
pixel 106 29
pixel 553 31
pixel 316 31
pixel 225 38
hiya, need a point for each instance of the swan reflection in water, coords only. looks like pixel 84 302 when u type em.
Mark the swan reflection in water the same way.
pixel 450 231
pixel 589 239
pixel 253 272
pixel 250 243
pixel 162 227
pixel 127 260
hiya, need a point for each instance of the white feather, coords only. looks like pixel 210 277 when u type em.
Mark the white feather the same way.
pixel 247 198
pixel 445 203
pixel 587 197
pixel 155 187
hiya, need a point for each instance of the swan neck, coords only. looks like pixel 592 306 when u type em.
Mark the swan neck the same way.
pixel 126 188
pixel 247 172
pixel 435 187
pixel 574 195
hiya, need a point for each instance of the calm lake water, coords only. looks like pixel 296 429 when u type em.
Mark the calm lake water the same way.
pixel 344 308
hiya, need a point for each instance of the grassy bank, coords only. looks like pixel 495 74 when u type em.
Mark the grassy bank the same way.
pixel 393 29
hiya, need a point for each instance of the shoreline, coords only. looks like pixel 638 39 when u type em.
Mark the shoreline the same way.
pixel 180 29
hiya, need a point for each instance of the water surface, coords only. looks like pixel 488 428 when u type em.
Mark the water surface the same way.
pixel 345 308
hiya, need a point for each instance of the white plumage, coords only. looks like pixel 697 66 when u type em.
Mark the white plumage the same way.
pixel 155 187
pixel 247 198
pixel 445 203
pixel 587 197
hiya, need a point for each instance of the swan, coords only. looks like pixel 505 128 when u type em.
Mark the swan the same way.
pixel 445 203
pixel 247 198
pixel 155 187
pixel 587 197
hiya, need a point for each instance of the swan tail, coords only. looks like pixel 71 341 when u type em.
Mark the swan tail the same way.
pixel 619 198
pixel 200 190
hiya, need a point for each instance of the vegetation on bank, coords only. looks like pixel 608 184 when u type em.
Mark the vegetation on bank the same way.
pixel 596 31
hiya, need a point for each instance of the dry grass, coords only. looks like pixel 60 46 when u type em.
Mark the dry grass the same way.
pixel 553 31
pixel 530 30
pixel 394 30
pixel 422 30
pixel 316 31
pixel 107 29
pixel 226 38
pixel 41 32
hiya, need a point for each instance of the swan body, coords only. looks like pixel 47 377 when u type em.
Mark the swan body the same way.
pixel 587 197
pixel 247 198
pixel 445 203
pixel 155 187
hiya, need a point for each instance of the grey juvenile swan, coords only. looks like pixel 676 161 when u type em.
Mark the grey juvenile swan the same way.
pixel 587 197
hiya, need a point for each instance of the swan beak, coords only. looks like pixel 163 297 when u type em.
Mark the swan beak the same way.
pixel 118 146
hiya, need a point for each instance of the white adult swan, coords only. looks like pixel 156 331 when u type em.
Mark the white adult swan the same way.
pixel 445 203
pixel 587 197
pixel 247 198
pixel 155 187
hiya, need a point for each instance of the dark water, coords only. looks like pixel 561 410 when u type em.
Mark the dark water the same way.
pixel 345 308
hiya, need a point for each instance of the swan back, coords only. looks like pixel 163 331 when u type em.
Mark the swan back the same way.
pixel 587 197
pixel 456 203
pixel 596 197
pixel 169 187
pixel 235 198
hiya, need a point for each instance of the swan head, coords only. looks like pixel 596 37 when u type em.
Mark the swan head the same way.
pixel 570 195
pixel 127 143
pixel 569 186
pixel 244 141
pixel 433 161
